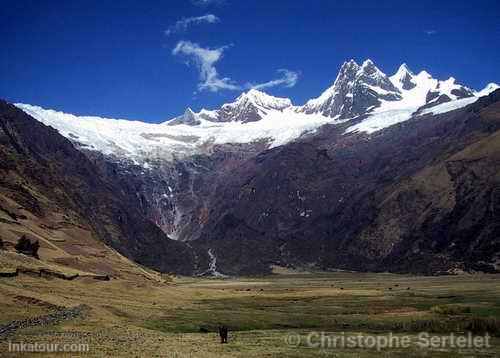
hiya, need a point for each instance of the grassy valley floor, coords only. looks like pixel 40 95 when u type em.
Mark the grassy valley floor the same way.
pixel 178 317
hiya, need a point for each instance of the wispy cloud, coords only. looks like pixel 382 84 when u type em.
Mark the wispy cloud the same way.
pixel 205 60
pixel 288 79
pixel 430 32
pixel 183 24
pixel 207 2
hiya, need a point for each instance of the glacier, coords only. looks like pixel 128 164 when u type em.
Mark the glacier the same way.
pixel 258 117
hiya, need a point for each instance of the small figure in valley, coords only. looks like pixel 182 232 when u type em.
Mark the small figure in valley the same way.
pixel 223 334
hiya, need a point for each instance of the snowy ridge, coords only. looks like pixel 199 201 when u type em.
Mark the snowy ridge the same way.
pixel 490 87
pixel 250 106
pixel 450 86
pixel 140 141
pixel 415 90
pixel 257 116
pixel 260 99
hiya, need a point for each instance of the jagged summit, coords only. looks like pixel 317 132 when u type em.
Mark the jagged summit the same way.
pixel 189 118
pixel 369 68
pixel 362 92
pixel 404 68
pixel 258 98
pixel 368 63
pixel 371 75
pixel 356 90
pixel 350 63
pixel 328 102
pixel 403 78
pixel 249 106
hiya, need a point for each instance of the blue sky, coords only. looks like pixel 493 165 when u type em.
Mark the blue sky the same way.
pixel 150 60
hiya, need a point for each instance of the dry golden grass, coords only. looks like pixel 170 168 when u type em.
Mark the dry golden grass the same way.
pixel 146 318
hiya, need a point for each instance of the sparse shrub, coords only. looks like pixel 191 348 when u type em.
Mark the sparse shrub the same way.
pixel 450 310
pixel 25 246
pixel 1 244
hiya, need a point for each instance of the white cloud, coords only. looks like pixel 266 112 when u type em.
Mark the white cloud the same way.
pixel 207 2
pixel 205 59
pixel 184 23
pixel 287 79
pixel 430 32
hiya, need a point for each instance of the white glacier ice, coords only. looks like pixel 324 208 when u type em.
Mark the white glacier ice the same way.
pixel 280 122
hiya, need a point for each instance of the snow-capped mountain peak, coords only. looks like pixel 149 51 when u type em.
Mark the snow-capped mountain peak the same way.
pixel 260 99
pixel 404 69
pixel 356 90
pixel 403 78
pixel 189 118
pixel 450 86
pixel 251 106
pixel 424 74
pixel 368 63
pixel 371 76
pixel 362 92
pixel 448 90
pixel 369 68
pixel 348 66
pixel 346 74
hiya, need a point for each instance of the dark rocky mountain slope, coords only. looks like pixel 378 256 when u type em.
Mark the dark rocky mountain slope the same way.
pixel 42 172
pixel 422 196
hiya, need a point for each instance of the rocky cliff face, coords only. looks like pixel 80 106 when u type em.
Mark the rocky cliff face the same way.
pixel 177 195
